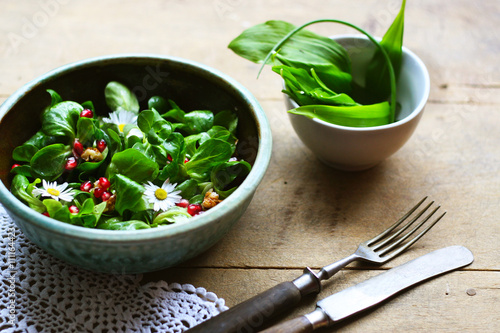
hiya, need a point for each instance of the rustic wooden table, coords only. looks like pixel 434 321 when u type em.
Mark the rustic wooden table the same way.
pixel 304 213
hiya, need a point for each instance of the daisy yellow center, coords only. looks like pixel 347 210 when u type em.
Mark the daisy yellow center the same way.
pixel 160 194
pixel 121 126
pixel 53 191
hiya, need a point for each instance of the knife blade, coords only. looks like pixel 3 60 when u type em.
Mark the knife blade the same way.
pixel 373 291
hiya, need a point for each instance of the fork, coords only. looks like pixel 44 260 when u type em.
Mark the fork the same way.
pixel 253 313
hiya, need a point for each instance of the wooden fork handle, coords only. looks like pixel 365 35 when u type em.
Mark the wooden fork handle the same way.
pixel 253 313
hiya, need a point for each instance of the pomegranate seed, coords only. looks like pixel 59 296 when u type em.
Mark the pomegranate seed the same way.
pixel 104 183
pixel 46 214
pixel 78 147
pixel 98 192
pixel 183 203
pixel 15 165
pixel 106 195
pixel 186 160
pixel 87 113
pixel 194 209
pixel 101 145
pixel 73 209
pixel 86 186
pixel 71 163
pixel 169 158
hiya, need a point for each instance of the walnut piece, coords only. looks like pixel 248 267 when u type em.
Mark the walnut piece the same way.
pixel 92 155
pixel 211 199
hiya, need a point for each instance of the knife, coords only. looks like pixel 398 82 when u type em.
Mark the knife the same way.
pixel 377 289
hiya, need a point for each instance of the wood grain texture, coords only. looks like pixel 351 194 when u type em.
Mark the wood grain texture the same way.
pixel 304 213
pixel 297 325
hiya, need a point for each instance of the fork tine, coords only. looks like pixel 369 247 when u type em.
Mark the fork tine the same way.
pixel 395 225
pixel 403 229
pixel 415 239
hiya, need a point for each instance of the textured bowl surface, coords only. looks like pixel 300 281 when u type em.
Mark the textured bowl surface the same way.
pixel 359 148
pixel 192 86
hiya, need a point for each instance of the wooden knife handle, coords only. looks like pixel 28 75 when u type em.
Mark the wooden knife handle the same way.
pixel 298 325
pixel 250 315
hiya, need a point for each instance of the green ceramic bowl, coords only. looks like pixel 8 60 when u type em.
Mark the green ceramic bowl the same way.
pixel 192 86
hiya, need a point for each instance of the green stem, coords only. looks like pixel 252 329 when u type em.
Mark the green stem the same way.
pixel 392 76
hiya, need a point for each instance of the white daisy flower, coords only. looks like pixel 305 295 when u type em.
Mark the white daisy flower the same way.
pixel 163 197
pixel 56 192
pixel 121 118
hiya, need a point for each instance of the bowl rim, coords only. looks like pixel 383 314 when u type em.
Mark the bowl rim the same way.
pixel 418 109
pixel 245 190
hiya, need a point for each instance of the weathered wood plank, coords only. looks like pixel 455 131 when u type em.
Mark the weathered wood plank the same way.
pixel 462 49
pixel 461 301
pixel 311 214
pixel 305 214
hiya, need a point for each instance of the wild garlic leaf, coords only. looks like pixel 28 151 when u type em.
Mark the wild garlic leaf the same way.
pixel 305 46
pixel 377 74
pixel 304 88
pixel 353 116
pixel 336 79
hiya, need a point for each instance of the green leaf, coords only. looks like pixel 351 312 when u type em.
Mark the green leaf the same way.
pixel 305 88
pixel 85 130
pixel 198 121
pixel 128 194
pixel 377 78
pixel 48 163
pixel 119 97
pixel 61 120
pixel 158 103
pixel 175 113
pixel 354 116
pixel 227 119
pixel 305 46
pixel 133 164
pixel 132 135
pixel 25 152
pixel 209 154
pixel 242 45
pixel 156 128
pixel 225 173
pixel 188 188
pixel 57 211
pixel 173 215
pixel 117 224
pixel 22 190
pixel 55 97
pixel 193 141
pixel 24 170
pixel 89 214
pixel 332 76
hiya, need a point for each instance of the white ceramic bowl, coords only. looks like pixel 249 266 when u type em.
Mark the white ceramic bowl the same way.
pixel 359 148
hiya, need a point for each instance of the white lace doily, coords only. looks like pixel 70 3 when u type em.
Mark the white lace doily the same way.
pixel 43 294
